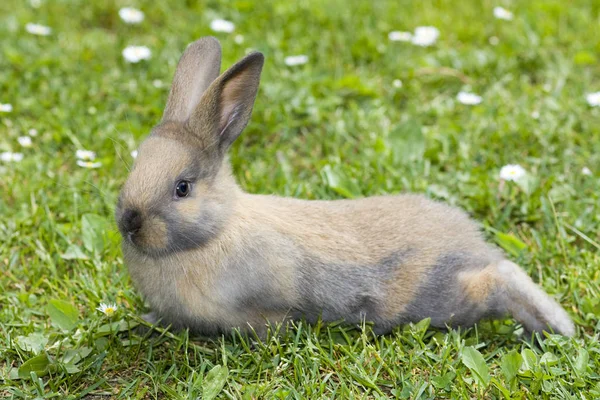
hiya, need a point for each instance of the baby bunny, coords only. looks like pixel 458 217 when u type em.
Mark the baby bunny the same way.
pixel 210 257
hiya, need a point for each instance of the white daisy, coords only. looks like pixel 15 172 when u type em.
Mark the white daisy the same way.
pixel 89 164
pixel 238 39
pixel 593 99
pixel 7 156
pixel 398 36
pixel 32 132
pixel 131 15
pixel 397 83
pixel 24 141
pixel 135 54
pixel 535 114
pixel 37 29
pixel 85 155
pixel 157 83
pixel 470 99
pixel 503 13
pixel 512 172
pixel 6 108
pixel 291 61
pixel 586 171
pixel 108 309
pixel 222 25
pixel 134 153
pixel 494 41
pixel 425 36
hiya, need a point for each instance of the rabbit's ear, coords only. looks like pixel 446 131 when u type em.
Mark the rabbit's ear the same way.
pixel 197 69
pixel 226 106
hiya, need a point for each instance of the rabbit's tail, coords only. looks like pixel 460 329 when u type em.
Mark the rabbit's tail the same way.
pixel 519 296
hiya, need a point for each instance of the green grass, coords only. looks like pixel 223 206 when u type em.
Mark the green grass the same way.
pixel 335 127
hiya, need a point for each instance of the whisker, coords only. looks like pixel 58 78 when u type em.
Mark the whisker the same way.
pixel 115 142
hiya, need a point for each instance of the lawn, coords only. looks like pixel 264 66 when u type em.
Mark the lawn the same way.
pixel 363 115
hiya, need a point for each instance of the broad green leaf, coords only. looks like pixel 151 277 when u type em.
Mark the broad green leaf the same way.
pixel 548 359
pixel 583 57
pixel 94 229
pixel 214 382
pixel 72 368
pixel 442 382
pixel 350 85
pixel 510 365
pixel 407 142
pixel 73 356
pixel 476 364
pixel 561 193
pixel 581 362
pixel 529 360
pixel 113 327
pixel 339 183
pixel 510 243
pixel 74 253
pixel 13 374
pixel 38 364
pixel 63 314
pixel 423 325
pixel 101 343
pixel 548 386
pixel 34 342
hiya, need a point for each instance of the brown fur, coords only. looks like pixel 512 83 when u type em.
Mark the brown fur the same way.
pixel 220 258
pixel 479 285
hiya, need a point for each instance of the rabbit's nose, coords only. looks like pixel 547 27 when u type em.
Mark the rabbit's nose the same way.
pixel 131 222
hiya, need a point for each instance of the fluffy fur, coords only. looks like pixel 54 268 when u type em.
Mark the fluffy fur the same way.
pixel 221 258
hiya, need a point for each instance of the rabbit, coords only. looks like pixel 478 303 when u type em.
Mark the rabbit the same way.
pixel 211 258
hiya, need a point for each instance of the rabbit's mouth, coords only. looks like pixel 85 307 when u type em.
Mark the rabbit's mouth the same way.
pixel 148 234
pixel 158 236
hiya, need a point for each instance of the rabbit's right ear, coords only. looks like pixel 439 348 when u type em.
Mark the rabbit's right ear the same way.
pixel 197 69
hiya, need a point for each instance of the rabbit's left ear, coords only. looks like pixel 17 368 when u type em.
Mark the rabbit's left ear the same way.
pixel 198 67
pixel 226 106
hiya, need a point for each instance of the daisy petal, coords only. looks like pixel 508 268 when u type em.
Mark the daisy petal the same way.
pixel 593 99
pixel 291 61
pixel 425 36
pixel 24 141
pixel 512 172
pixel 85 155
pixel 7 156
pixel 89 164
pixel 107 309
pixel 135 54
pixel 503 13
pixel 6 108
pixel 37 29
pixel 470 99
pixel 222 25
pixel 131 15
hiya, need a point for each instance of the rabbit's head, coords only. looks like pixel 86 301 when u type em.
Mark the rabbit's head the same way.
pixel 179 192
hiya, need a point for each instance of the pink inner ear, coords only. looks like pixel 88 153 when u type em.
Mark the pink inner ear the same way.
pixel 233 113
pixel 233 96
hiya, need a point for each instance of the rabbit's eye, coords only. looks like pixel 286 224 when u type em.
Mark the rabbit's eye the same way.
pixel 183 188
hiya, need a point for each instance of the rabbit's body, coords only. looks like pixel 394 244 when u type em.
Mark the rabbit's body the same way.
pixel 217 258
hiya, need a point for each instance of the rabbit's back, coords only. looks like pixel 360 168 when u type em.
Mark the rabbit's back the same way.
pixel 387 259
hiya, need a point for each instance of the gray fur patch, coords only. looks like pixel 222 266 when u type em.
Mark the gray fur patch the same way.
pixel 441 298
pixel 352 292
pixel 187 235
pixel 247 284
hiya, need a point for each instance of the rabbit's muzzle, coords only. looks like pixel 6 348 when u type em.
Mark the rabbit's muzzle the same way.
pixel 130 223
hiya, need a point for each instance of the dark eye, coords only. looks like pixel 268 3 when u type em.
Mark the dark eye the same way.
pixel 183 188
